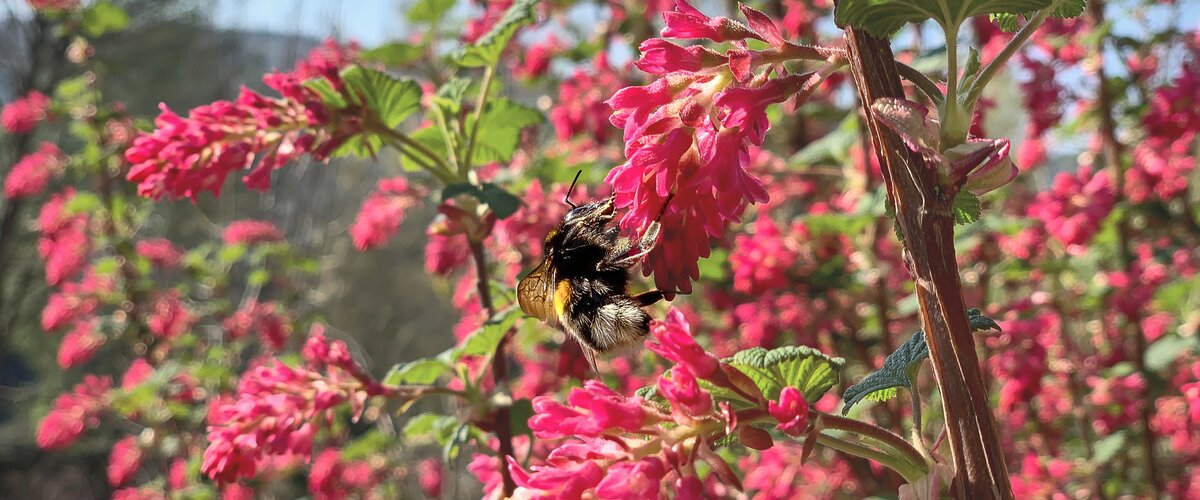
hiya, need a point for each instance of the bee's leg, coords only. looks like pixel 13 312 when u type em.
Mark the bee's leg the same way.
pixel 617 258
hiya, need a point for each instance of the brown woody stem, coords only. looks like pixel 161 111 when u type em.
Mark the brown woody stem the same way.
pixel 926 221
pixel 503 421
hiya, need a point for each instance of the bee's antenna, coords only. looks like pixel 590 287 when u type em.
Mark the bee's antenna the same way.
pixel 571 189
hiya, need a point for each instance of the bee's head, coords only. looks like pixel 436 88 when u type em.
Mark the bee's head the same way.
pixel 591 216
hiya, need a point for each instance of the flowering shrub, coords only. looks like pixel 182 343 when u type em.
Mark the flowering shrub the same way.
pixel 786 216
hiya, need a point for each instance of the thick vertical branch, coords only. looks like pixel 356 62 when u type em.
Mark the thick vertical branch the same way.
pixel 925 219
pixel 1113 152
pixel 503 420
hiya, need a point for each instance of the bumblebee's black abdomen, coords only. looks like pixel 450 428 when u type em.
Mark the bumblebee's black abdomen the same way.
pixel 603 315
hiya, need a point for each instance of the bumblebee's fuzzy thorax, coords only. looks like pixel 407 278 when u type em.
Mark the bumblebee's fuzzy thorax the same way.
pixel 582 282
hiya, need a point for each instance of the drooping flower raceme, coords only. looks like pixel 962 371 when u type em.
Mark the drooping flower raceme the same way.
pixel 687 135
pixel 30 174
pixel 383 211
pixel 185 156
pixel 278 408
pixel 21 115
pixel 74 412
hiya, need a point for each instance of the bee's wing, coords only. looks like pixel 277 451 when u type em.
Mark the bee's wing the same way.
pixel 535 292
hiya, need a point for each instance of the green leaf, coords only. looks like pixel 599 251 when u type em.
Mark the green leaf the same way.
pixel 801 367
pixel 1164 351
pixel 1066 9
pixel 366 445
pixel 966 208
pixel 423 371
pixel 84 203
pixel 503 203
pixel 458 438
pixel 486 51
pixel 390 98
pixel 519 415
pixel 830 148
pixel 449 97
pixel 900 366
pixel 329 95
pixel 715 267
pixel 431 138
pixel 102 18
pixel 429 11
pixel 896 372
pixel 499 132
pixel 460 188
pixel 834 224
pixel 425 425
pixel 394 54
pixel 1107 448
pixel 884 17
pixel 485 340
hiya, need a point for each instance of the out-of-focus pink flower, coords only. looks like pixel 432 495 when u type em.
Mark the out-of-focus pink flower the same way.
pixel 53 5
pixel 235 491
pixel 139 371
pixel 477 27
pixel 761 260
pixel 1075 206
pixel 383 212
pixel 170 317
pixel 251 232
pixel 124 461
pixel 590 411
pixel 429 472
pixel 74 412
pixel 267 319
pixel 184 157
pixel 159 251
pixel 64 242
pixel 673 340
pixel 24 113
pixel 538 56
pixel 177 476
pixel 580 108
pixel 323 478
pixel 30 174
pixel 791 411
pixel 80 344
pixel 444 254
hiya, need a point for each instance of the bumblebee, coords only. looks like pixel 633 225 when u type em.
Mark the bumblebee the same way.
pixel 582 283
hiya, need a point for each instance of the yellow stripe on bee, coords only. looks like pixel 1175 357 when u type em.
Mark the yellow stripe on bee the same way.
pixel 562 293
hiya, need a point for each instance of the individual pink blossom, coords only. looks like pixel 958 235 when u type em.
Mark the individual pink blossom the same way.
pixel 673 340
pixel 139 371
pixel 266 319
pixel 687 22
pixel 791 411
pixel 159 251
pixel 30 175
pixel 590 411
pixel 633 480
pixel 660 57
pixel 24 113
pixel 564 480
pixel 682 391
pixel 80 344
pixel 74 412
pixel 185 156
pixel 251 232
pixel 124 461
pixel 170 317
pixel 1075 206
pixel 383 212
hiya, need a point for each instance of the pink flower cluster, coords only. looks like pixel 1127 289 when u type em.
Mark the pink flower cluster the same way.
pixel 251 232
pixel 74 412
pixel 30 175
pixel 761 260
pixel 383 211
pixel 23 114
pixel 124 461
pixel 266 319
pixel 54 5
pixel 277 409
pixel 688 135
pixel 581 108
pixel 332 477
pixel 185 156
pixel 621 449
pixel 64 242
pixel 1075 206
